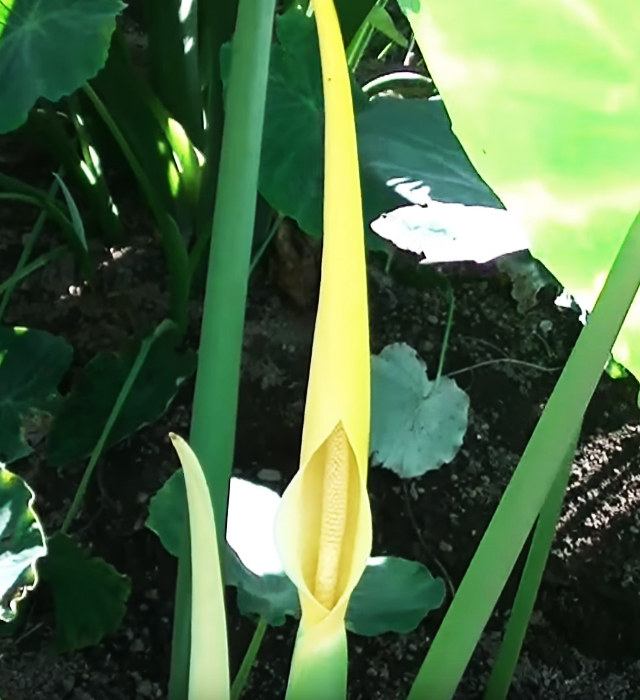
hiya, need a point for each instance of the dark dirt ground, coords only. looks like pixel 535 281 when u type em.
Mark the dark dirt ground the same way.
pixel 584 641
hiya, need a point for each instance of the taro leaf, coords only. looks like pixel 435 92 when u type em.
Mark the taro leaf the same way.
pixel 32 363
pixel 416 425
pixel 50 49
pixel 84 413
pixel 393 595
pixel 549 117
pixel 22 542
pixel 89 595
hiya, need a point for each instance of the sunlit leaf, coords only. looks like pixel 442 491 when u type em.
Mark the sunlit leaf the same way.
pixel 22 542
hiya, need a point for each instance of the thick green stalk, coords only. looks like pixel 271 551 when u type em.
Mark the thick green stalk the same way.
pixel 215 401
pixel 507 659
pixel 460 631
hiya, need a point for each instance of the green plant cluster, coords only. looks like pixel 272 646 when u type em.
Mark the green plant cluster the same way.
pixel 223 107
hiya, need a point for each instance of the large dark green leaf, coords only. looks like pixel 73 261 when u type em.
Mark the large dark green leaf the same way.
pixel 83 415
pixel 32 363
pixel 408 153
pixel 21 542
pixel 89 595
pixel 49 49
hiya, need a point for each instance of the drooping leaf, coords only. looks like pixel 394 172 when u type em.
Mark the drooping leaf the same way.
pixel 49 49
pixel 89 595
pixel 32 363
pixel 22 542
pixel 84 413
pixel 528 276
pixel 393 595
pixel 416 424
pixel 549 118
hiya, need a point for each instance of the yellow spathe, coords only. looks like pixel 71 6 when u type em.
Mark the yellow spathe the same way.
pixel 323 527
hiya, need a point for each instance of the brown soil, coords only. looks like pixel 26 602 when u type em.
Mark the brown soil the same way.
pixel 584 640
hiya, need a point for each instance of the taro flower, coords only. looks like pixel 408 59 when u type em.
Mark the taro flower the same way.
pixel 323 526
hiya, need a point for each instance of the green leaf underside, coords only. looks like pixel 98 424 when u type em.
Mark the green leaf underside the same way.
pixel 89 595
pixel 22 542
pixel 84 413
pixel 32 363
pixel 49 49
pixel 416 425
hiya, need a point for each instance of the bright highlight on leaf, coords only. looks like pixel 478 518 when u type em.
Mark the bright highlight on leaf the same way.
pixel 323 527
pixel 549 117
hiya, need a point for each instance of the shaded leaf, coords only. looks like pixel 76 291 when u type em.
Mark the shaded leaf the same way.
pixel 393 595
pixel 416 425
pixel 49 49
pixel 85 411
pixel 22 542
pixel 32 363
pixel 89 595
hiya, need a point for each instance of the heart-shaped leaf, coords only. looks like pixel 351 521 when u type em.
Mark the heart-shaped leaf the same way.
pixel 416 424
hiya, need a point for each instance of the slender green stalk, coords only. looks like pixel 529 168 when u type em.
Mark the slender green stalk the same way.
pixel 113 416
pixel 505 664
pixel 249 658
pixel 6 287
pixel 216 394
pixel 20 192
pixel 27 249
pixel 478 593
pixel 174 247
pixel 260 252
pixel 447 332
